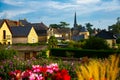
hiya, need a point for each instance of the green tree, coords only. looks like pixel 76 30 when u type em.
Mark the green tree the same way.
pixel 63 24
pixel 89 27
pixel 115 28
pixel 96 43
pixel 54 25
pixel 52 42
pixel 60 25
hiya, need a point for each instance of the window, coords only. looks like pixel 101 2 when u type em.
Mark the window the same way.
pixel 4 34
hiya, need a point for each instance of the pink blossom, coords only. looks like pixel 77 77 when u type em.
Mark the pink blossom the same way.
pixel 36 68
pixel 52 67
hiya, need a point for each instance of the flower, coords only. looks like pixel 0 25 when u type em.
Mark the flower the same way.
pixel 36 68
pixel 26 74
pixel 48 72
pixel 15 74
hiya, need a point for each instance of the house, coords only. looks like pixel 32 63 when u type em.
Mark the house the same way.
pixel 5 33
pixel 80 34
pixel 40 28
pixel 24 34
pixel 60 33
pixel 108 36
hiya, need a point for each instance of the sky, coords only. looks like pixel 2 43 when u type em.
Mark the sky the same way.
pixel 100 13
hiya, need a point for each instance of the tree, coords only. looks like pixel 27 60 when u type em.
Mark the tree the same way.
pixel 60 25
pixel 79 26
pixel 52 42
pixel 54 25
pixel 88 26
pixel 96 43
pixel 63 24
pixel 115 28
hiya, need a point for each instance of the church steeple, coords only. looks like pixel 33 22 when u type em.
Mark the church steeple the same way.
pixel 75 21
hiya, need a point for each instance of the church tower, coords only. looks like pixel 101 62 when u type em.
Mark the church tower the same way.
pixel 75 22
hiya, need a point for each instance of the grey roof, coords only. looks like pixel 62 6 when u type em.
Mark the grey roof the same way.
pixel 40 28
pixel 20 31
pixel 61 30
pixel 105 35
pixel 1 21
pixel 24 23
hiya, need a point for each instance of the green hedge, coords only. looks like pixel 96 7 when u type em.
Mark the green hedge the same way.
pixel 77 53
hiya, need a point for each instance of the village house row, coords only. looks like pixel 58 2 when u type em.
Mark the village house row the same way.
pixel 22 31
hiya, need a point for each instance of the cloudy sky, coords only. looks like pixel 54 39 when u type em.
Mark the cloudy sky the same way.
pixel 100 13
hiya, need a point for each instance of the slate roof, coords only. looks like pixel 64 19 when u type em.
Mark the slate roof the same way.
pixel 21 31
pixel 61 31
pixel 1 21
pixel 40 28
pixel 105 35
pixel 24 23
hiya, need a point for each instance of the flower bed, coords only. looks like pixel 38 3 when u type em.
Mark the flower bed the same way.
pixel 47 72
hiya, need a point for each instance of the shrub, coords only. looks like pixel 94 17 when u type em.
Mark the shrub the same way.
pixel 77 53
pixel 42 54
pixel 52 42
pixel 7 54
pixel 96 43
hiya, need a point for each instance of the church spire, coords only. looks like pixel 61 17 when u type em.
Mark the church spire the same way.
pixel 75 21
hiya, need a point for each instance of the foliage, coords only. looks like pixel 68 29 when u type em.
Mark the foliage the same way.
pixel 97 69
pixel 47 72
pixel 73 44
pixel 52 42
pixel 60 25
pixel 78 53
pixel 115 28
pixel 7 54
pixel 96 43
pixel 42 54
pixel 30 44
pixel 88 26
pixel 17 63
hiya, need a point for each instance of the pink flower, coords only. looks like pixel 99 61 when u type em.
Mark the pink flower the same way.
pixel 36 68
pixel 52 67
pixel 35 76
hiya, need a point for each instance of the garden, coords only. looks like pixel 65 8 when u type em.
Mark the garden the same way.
pixel 41 68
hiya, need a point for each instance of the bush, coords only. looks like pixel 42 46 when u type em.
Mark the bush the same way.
pixel 52 42
pixel 77 53
pixel 96 43
pixel 42 54
pixel 7 54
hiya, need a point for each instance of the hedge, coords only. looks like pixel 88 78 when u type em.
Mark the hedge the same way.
pixel 77 53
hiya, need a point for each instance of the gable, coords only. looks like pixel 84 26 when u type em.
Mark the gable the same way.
pixel 4 26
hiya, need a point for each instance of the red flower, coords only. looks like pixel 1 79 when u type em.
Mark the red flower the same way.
pixel 0 78
pixel 26 74
pixel 15 74
pixel 62 75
